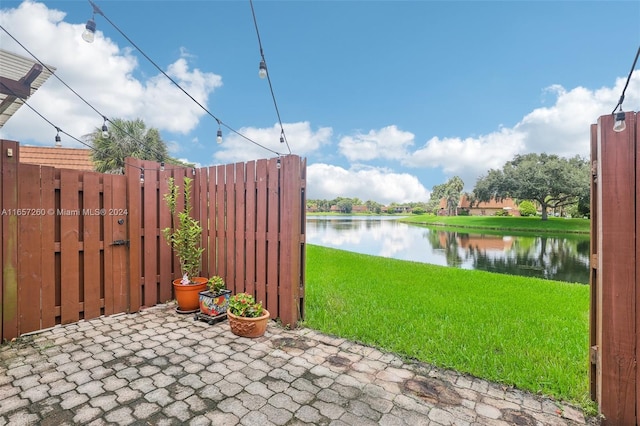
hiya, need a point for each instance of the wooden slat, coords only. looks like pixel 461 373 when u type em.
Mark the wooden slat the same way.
pixel 166 256
pixel 111 282
pixel 273 236
pixel 230 217
pixel 221 229
pixel 262 207
pixel 9 241
pixel 634 117
pixel 92 219
pixel 240 232
pixel 616 248
pixel 47 196
pixel 250 226
pixel 29 248
pixel 210 218
pixel 134 208
pixel 69 247
pixel 150 239
pixel 594 329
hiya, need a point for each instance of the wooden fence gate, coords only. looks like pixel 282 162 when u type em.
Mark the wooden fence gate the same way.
pixel 76 245
pixel 615 270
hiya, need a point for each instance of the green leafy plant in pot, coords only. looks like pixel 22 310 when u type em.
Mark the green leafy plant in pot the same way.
pixel 247 318
pixel 184 239
pixel 215 300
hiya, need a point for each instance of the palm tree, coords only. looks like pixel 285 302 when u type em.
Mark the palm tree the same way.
pixel 127 138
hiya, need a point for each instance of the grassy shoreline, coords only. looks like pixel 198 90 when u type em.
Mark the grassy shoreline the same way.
pixel 553 225
pixel 524 332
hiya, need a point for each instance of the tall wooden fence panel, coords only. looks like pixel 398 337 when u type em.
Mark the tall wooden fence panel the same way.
pixel 76 245
pixel 615 322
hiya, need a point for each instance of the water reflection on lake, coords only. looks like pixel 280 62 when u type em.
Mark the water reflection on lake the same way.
pixel 551 257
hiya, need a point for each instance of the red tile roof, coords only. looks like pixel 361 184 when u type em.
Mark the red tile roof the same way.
pixel 64 158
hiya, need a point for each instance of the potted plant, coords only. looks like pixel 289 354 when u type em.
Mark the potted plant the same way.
pixel 184 239
pixel 247 317
pixel 215 300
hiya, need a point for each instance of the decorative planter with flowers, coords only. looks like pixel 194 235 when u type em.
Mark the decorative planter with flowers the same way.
pixel 247 318
pixel 184 239
pixel 215 300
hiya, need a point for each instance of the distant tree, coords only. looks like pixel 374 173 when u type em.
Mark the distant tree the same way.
pixel 127 138
pixel 345 205
pixel 453 192
pixel 552 181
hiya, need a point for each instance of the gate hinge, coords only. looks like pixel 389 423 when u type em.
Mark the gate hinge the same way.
pixel 120 243
pixel 594 170
pixel 594 261
pixel 593 354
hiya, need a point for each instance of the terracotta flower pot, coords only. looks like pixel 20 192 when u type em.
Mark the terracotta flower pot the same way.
pixel 188 295
pixel 248 327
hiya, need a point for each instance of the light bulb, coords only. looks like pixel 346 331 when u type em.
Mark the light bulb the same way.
pixel 58 141
pixel 619 124
pixel 162 166
pixel 105 131
pixel 89 33
pixel 219 136
pixel 262 72
pixel 278 165
pixel 141 176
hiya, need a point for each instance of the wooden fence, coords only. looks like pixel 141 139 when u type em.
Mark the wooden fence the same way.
pixel 615 270
pixel 77 245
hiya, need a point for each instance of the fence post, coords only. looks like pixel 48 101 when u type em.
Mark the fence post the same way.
pixel 9 157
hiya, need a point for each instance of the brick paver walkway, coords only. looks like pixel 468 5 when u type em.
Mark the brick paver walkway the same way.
pixel 161 368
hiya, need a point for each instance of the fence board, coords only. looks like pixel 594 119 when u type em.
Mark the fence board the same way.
pixel 273 213
pixel 250 225
pixel 150 237
pixel 29 261
pixel 91 216
pixel 261 231
pixel 636 278
pixel 48 248
pixel 165 254
pixel 110 284
pixel 221 229
pixel 69 246
pixel 616 246
pixel 595 329
pixel 120 255
pixel 239 228
pixel 230 226
pixel 9 241
pixel 134 208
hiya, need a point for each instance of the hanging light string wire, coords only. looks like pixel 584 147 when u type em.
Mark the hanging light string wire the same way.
pixel 59 130
pixel 273 96
pixel 627 83
pixel 97 10
pixel 113 123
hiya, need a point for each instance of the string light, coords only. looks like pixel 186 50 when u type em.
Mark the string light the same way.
pixel 97 10
pixel 58 139
pixel 141 175
pixel 619 124
pixel 262 70
pixel 162 166
pixel 278 165
pixel 219 134
pixel 105 130
pixel 89 33
pixel 263 73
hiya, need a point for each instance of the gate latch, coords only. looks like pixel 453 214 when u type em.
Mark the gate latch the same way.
pixel 120 243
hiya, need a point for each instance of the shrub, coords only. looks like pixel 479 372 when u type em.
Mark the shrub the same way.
pixel 527 208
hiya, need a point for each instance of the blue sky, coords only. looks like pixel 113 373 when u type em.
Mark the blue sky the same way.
pixel 385 99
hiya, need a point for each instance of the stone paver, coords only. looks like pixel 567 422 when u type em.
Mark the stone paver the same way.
pixel 159 367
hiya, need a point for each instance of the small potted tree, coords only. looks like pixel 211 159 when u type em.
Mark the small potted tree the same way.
pixel 215 300
pixel 247 318
pixel 184 239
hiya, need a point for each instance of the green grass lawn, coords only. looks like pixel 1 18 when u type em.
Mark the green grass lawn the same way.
pixel 555 225
pixel 525 332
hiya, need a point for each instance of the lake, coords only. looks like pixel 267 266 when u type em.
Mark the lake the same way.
pixel 546 256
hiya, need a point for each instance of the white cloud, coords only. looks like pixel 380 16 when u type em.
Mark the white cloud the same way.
pixel 325 181
pixel 302 141
pixel 562 129
pixel 387 143
pixel 102 73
